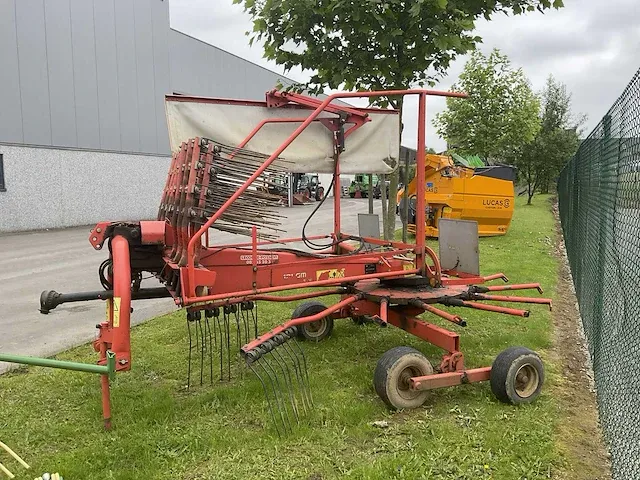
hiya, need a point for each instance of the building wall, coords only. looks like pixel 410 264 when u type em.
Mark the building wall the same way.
pixel 93 73
pixel 84 73
pixel 198 68
pixel 55 187
pixel 86 79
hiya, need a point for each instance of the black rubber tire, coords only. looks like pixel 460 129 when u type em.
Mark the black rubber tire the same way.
pixel 314 331
pixel 517 376
pixel 393 369
pixel 319 194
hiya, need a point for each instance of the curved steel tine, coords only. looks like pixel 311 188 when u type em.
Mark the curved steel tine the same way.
pixel 238 329
pixel 221 346
pixel 190 352
pixel 245 319
pixel 266 394
pixel 255 320
pixel 288 381
pixel 227 333
pixel 202 349
pixel 261 362
pixel 306 371
pixel 299 375
pixel 282 403
pixel 207 327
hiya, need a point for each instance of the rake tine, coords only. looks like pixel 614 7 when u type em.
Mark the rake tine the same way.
pixel 236 314
pixel 255 319
pixel 261 363
pixel 266 394
pixel 288 381
pixel 245 320
pixel 281 403
pixel 190 351
pixel 228 339
pixel 207 328
pixel 305 370
pixel 221 346
pixel 306 405
pixel 203 347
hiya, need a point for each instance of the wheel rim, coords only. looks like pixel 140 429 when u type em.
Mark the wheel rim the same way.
pixel 315 329
pixel 527 380
pixel 404 383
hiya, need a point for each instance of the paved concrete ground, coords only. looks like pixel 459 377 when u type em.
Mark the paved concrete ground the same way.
pixel 63 260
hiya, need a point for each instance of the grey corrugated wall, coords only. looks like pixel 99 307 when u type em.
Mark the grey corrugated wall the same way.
pixel 88 78
pixel 92 74
pixel 86 74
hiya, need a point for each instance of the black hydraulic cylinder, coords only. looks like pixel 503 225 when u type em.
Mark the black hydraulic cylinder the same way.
pixel 50 299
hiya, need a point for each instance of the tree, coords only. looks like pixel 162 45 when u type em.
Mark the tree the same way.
pixel 499 116
pixel 373 44
pixel 557 140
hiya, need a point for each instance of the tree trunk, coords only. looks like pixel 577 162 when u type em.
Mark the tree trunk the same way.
pixel 370 193
pixel 383 196
pixel 405 198
pixel 390 215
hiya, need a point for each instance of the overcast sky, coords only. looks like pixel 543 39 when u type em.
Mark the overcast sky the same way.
pixel 592 46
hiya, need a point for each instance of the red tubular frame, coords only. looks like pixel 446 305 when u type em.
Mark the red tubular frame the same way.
pixel 273 298
pixel 301 320
pixel 494 308
pixel 189 294
pixel 518 286
pixel 121 324
pixel 502 298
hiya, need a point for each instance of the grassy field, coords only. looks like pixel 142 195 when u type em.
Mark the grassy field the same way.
pixel 163 431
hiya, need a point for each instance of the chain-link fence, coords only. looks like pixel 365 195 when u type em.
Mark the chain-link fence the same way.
pixel 599 200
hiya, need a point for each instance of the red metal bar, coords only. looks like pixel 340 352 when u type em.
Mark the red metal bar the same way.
pixel 253 132
pixel 121 340
pixel 271 242
pixel 337 193
pixel 496 276
pixel 450 379
pixel 442 314
pixel 274 97
pixel 286 298
pixel 403 317
pixel 495 308
pixel 420 180
pixel 518 286
pixel 502 298
pixel 190 295
pixel 299 321
pixel 384 304
pixel 319 283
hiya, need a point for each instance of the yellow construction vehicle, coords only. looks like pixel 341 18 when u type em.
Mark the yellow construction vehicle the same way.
pixel 454 189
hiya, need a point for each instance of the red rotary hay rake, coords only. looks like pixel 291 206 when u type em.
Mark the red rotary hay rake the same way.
pixel 212 185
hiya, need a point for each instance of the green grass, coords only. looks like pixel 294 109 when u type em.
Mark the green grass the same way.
pixel 223 432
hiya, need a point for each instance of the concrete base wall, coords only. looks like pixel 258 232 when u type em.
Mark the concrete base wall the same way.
pixel 55 188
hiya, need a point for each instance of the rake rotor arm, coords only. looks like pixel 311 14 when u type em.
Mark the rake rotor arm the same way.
pixel 290 325
pixel 457 302
pixel 503 298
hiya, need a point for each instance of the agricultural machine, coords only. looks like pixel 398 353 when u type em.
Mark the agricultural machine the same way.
pixel 305 187
pixel 211 184
pixel 457 190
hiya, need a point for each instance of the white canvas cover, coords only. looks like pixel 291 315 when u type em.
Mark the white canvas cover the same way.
pixel 373 148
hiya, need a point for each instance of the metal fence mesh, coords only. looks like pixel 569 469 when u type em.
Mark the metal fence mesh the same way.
pixel 599 201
